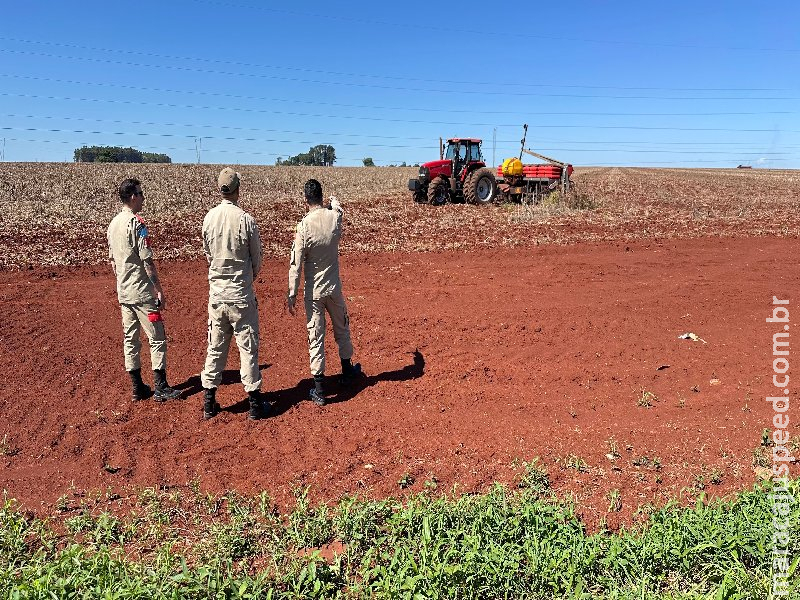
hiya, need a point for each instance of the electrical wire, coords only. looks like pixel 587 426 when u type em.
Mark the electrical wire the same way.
pixel 479 92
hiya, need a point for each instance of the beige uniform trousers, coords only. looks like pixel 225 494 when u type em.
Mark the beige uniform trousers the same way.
pixel 226 320
pixel 134 319
pixel 315 322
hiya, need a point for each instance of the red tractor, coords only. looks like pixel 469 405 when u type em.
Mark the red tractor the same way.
pixel 460 175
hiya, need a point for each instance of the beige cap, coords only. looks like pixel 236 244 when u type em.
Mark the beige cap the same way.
pixel 228 181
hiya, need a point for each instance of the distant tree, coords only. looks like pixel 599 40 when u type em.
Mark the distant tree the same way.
pixel 321 155
pixel 368 162
pixel 115 154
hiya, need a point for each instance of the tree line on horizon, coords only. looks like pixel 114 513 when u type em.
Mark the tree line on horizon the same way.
pixel 115 154
pixel 321 155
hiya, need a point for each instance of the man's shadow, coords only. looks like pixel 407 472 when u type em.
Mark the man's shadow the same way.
pixel 283 400
pixel 193 385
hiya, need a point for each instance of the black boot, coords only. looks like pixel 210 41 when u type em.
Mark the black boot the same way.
pixel 350 372
pixel 163 392
pixel 141 391
pixel 317 394
pixel 210 405
pixel 259 407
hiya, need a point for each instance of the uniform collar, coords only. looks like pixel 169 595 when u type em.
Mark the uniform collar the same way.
pixel 226 201
pixel 128 208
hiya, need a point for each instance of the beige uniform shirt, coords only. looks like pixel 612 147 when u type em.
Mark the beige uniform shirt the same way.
pixel 233 248
pixel 128 248
pixel 316 249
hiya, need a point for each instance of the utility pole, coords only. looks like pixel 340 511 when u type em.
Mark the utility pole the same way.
pixel 198 147
pixel 3 151
pixel 494 146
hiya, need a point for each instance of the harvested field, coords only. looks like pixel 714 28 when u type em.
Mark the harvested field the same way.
pixel 56 214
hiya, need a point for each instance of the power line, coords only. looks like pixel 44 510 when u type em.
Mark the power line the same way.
pixel 353 135
pixel 482 91
pixel 379 119
pixel 382 76
pixel 400 108
pixel 394 146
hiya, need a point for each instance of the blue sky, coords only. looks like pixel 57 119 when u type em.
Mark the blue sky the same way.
pixel 701 84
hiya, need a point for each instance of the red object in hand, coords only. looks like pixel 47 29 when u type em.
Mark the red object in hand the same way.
pixel 154 317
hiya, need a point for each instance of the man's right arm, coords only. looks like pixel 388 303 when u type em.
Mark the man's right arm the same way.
pixel 296 261
pixel 335 205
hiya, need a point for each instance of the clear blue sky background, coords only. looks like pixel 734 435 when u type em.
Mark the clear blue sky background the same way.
pixel 696 84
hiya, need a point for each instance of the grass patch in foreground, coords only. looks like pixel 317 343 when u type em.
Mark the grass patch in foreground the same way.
pixel 504 544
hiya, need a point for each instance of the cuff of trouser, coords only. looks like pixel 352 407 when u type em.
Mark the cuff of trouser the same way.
pixel 253 388
pixel 132 367
pixel 210 382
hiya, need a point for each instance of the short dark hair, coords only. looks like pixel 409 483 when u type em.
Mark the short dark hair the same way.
pixel 128 188
pixel 313 191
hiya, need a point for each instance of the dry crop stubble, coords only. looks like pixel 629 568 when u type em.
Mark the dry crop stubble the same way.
pixel 57 213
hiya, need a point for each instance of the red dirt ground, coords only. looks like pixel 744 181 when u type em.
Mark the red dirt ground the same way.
pixel 522 353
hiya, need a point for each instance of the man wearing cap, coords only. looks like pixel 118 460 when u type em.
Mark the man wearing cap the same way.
pixel 316 249
pixel 233 248
pixel 139 292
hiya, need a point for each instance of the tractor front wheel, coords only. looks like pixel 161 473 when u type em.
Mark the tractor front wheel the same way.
pixel 420 195
pixel 481 187
pixel 438 191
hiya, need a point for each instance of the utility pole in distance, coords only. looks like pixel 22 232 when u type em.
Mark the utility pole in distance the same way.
pixel 198 147
pixel 494 146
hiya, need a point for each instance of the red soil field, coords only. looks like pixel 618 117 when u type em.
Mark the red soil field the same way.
pixel 475 361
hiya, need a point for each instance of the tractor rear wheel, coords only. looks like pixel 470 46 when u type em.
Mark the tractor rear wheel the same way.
pixel 438 191
pixel 480 187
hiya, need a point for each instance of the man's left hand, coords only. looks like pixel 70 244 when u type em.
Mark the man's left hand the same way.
pixel 290 304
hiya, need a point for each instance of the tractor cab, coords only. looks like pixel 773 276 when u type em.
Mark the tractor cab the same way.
pixel 463 152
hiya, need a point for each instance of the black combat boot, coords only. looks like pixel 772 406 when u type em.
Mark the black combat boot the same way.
pixel 141 391
pixel 163 392
pixel 210 405
pixel 350 372
pixel 260 408
pixel 317 394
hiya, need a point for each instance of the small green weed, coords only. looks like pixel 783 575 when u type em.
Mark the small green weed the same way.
pixel 406 481
pixel 614 500
pixel 766 438
pixel 7 448
pixel 653 463
pixel 572 461
pixel 647 398
pixel 534 477
pixel 613 449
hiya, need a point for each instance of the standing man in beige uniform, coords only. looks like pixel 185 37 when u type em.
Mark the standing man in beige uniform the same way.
pixel 316 249
pixel 233 248
pixel 139 293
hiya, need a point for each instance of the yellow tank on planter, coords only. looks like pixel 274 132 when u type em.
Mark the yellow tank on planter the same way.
pixel 512 167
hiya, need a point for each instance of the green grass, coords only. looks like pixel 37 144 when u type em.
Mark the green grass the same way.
pixel 520 543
